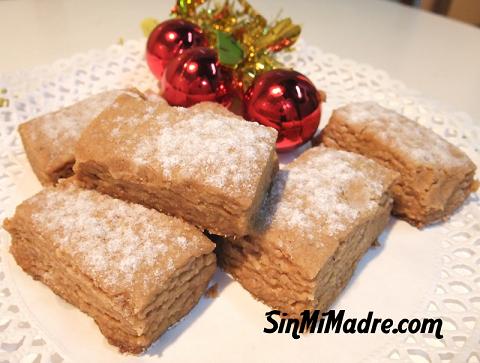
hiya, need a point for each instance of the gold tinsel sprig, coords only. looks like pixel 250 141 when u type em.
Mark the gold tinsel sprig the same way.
pixel 244 39
pixel 4 102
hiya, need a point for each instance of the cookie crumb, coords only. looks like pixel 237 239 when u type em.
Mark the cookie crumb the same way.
pixel 475 185
pixel 212 291
pixel 376 244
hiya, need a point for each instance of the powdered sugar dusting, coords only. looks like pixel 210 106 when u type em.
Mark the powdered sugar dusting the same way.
pixel 221 150
pixel 395 130
pixel 182 242
pixel 114 242
pixel 323 193
pixel 67 124
pixel 170 265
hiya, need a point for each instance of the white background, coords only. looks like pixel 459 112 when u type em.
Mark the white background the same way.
pixel 435 55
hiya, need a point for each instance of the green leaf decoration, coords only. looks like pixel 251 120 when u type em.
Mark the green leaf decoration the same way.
pixel 229 50
pixel 147 25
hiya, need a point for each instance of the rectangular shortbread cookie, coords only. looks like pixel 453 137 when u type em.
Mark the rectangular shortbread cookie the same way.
pixel 436 176
pixel 203 163
pixel 134 270
pixel 49 140
pixel 322 214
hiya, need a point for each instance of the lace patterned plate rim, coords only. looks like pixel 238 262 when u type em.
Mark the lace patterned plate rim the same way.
pixel 434 272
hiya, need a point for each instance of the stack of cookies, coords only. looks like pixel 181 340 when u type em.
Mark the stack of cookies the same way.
pixel 131 184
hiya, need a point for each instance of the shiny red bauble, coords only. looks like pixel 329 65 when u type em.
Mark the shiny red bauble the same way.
pixel 287 101
pixel 169 39
pixel 196 76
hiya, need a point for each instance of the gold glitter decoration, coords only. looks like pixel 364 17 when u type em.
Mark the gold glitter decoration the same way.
pixel 244 39
pixel 147 25
pixel 4 102
pixel 258 39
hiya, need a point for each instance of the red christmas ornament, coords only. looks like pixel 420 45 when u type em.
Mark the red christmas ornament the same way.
pixel 170 39
pixel 287 101
pixel 196 76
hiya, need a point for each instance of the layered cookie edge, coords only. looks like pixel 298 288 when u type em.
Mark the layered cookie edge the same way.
pixel 134 270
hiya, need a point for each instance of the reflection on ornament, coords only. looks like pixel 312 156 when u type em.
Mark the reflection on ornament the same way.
pixel 170 39
pixel 287 101
pixel 196 76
